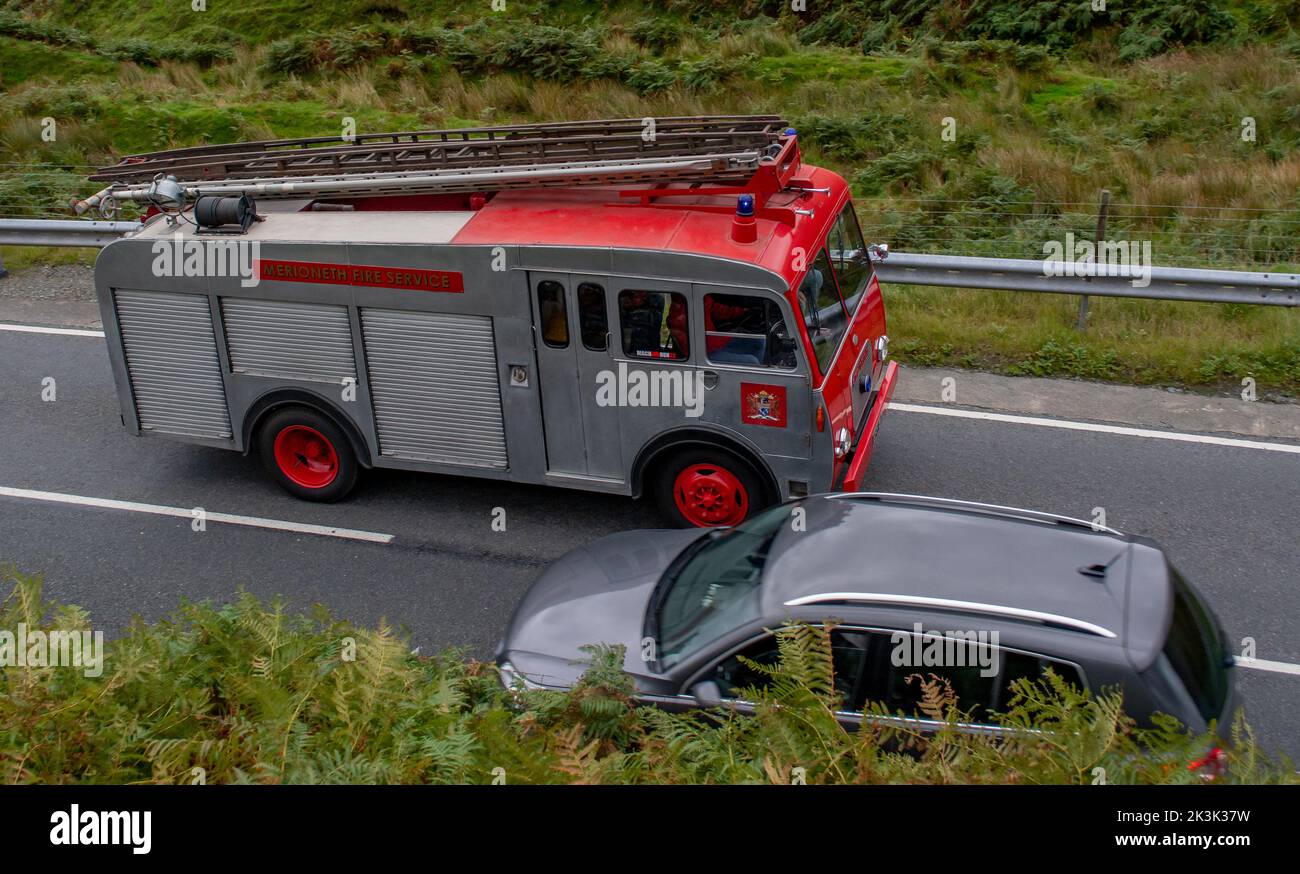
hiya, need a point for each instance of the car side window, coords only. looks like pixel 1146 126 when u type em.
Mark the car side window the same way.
pixel 653 324
pixel 980 676
pixel 1020 665
pixel 744 329
pixel 848 654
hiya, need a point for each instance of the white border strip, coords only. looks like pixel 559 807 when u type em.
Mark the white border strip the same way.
pixel 1103 429
pixel 37 329
pixel 181 512
pixel 1264 665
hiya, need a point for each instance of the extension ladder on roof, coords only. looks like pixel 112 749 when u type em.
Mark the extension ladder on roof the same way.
pixel 720 150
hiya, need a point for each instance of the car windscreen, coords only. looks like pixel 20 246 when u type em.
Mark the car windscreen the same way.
pixel 716 588
pixel 1195 651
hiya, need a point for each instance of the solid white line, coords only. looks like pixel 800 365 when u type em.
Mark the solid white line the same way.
pixel 1092 426
pixel 37 329
pixel 1264 665
pixel 227 518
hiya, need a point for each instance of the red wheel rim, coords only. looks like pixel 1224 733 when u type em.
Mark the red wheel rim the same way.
pixel 708 495
pixel 306 456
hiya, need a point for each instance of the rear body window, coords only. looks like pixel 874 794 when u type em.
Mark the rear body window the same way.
pixel 653 324
pixel 1195 651
pixel 593 321
pixel 553 313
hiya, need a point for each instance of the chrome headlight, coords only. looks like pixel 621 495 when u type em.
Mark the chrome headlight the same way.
pixel 513 679
pixel 842 442
pixel 882 347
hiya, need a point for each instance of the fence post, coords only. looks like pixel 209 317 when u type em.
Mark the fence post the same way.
pixel 3 271
pixel 1096 247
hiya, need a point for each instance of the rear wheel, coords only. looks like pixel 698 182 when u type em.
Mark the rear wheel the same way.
pixel 307 454
pixel 707 488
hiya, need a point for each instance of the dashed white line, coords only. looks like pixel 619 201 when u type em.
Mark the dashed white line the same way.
pixel 186 513
pixel 1122 430
pixel 38 329
pixel 1265 665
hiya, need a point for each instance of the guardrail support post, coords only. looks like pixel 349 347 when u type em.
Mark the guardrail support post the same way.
pixel 1082 324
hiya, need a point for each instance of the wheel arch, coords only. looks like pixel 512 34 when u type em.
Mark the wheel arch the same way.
pixel 664 445
pixel 278 399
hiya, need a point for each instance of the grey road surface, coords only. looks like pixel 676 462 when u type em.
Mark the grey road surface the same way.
pixel 1227 515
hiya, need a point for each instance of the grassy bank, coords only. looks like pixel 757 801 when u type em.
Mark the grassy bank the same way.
pixel 985 128
pixel 250 693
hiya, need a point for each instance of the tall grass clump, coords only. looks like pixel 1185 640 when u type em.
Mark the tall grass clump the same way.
pixel 250 692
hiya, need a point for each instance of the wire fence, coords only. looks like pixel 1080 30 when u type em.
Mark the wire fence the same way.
pixel 1197 235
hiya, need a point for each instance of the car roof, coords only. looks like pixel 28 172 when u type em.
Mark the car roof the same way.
pixel 995 566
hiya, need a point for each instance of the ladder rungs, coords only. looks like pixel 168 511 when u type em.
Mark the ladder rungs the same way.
pixel 455 148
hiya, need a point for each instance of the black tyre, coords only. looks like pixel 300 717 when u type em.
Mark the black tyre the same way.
pixel 307 454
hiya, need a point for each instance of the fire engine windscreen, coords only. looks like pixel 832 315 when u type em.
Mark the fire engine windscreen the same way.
pixel 848 252
pixel 823 311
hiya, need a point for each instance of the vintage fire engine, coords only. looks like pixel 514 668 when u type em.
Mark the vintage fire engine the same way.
pixel 676 306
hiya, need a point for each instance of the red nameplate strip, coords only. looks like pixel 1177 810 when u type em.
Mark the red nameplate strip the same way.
pixel 411 278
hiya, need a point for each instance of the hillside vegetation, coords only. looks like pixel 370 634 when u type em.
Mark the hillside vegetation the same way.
pixel 250 693
pixel 1188 112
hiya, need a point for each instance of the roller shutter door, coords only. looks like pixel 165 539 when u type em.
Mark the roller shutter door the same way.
pixel 433 381
pixel 171 357
pixel 311 342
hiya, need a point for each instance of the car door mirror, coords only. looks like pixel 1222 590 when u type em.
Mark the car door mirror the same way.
pixel 707 694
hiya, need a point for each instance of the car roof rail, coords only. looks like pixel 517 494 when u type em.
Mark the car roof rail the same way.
pixel 977 507
pixel 892 600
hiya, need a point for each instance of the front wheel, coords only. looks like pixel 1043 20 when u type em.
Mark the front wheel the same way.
pixel 708 488
pixel 307 454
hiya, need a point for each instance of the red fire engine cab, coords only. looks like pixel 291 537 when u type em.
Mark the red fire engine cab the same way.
pixel 674 306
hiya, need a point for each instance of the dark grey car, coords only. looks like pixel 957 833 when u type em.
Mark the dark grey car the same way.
pixel 994 593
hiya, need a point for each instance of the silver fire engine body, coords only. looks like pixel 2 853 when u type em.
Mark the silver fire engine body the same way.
pixel 427 380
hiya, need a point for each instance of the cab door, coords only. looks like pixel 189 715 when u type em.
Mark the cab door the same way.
pixel 571 337
pixel 757 381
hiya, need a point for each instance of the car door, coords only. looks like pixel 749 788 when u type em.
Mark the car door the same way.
pixel 892 690
pixel 732 669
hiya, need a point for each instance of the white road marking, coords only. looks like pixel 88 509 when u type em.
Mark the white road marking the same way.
pixel 1122 430
pixel 1264 665
pixel 184 513
pixel 37 329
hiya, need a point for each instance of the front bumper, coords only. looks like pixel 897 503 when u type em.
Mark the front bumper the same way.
pixel 867 436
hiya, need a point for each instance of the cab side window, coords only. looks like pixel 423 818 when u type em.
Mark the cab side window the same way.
pixel 553 314
pixel 593 320
pixel 653 324
pixel 743 329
